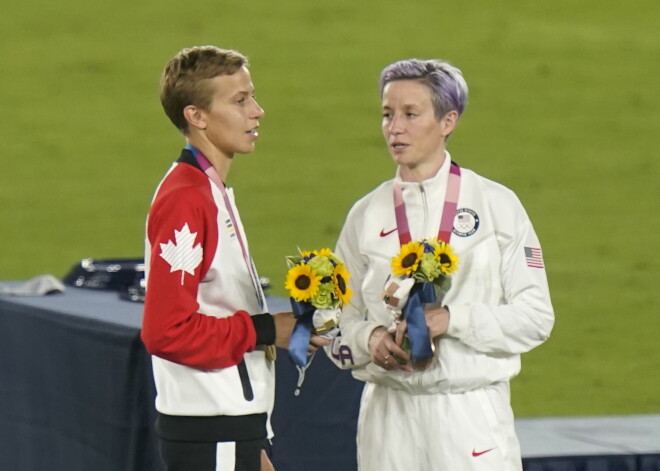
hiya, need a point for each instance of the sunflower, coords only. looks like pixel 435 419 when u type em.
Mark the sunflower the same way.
pixel 408 259
pixel 307 255
pixel 302 282
pixel 324 253
pixel 446 258
pixel 340 278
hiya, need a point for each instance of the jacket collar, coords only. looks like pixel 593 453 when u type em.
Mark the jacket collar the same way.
pixel 187 157
pixel 440 178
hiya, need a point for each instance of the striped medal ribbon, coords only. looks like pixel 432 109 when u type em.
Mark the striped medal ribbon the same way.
pixel 421 347
pixel 448 210
pixel 213 175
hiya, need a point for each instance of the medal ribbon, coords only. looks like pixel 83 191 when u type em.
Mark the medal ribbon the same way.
pixel 413 312
pixel 215 178
pixel 448 210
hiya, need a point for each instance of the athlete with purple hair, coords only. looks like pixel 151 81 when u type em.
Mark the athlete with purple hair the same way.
pixel 451 412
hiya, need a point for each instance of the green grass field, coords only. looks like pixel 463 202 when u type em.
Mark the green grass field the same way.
pixel 564 109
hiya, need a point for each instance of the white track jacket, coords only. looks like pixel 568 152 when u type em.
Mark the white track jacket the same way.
pixel 499 301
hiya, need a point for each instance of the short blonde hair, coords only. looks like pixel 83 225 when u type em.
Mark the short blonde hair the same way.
pixel 185 79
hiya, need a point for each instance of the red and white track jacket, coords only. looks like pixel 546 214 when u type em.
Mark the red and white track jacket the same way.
pixel 201 318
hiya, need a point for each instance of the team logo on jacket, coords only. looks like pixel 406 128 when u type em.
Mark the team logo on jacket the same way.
pixel 466 222
pixel 182 255
pixel 341 353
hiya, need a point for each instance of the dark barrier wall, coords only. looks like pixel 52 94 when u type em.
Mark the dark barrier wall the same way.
pixel 76 393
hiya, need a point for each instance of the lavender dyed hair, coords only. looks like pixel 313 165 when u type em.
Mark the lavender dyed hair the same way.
pixel 448 88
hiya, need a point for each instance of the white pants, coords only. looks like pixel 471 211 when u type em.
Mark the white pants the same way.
pixel 471 431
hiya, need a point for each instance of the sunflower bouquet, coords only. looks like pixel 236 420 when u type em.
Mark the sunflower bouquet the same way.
pixel 317 282
pixel 422 271
pixel 427 260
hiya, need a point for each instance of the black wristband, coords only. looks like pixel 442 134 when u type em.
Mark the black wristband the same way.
pixel 264 326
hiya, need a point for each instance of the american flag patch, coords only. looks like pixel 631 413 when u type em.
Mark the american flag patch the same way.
pixel 230 228
pixel 534 257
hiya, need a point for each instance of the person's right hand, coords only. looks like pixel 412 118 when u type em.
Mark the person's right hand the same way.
pixel 383 350
pixel 284 324
pixel 316 342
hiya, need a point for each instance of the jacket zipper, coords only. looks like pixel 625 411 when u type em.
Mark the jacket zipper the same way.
pixel 425 205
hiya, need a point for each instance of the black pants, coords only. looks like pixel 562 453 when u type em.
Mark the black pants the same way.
pixel 211 456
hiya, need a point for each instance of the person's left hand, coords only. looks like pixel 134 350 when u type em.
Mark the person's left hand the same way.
pixel 437 321
pixel 284 325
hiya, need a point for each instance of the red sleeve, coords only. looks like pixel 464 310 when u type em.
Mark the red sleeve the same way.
pixel 183 234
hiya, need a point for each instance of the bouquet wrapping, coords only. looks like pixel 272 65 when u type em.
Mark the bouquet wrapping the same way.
pixel 422 271
pixel 317 283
